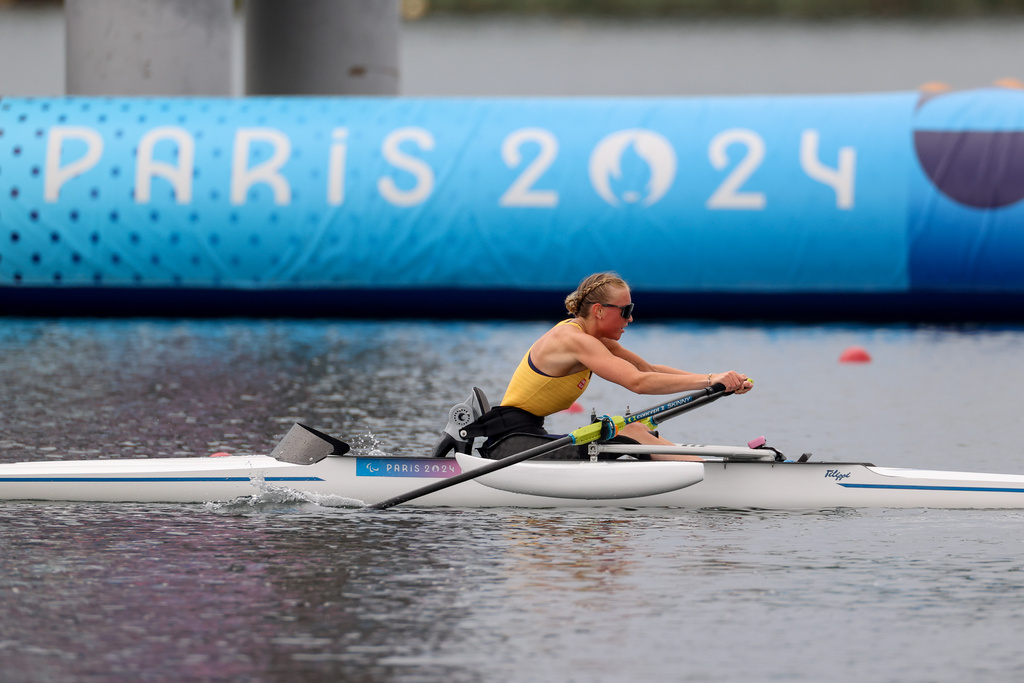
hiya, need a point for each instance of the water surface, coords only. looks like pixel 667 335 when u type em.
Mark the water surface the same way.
pixel 269 588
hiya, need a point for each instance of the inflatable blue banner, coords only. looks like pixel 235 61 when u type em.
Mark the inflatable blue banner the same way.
pixel 814 199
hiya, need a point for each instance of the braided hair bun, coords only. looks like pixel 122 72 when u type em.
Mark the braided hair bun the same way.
pixel 594 289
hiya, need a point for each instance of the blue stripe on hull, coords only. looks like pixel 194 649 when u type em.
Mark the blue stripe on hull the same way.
pixel 917 487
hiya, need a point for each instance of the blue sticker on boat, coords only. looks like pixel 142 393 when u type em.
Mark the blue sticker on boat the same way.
pixel 406 467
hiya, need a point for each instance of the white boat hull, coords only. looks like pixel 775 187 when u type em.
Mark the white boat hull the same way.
pixel 583 480
pixel 351 480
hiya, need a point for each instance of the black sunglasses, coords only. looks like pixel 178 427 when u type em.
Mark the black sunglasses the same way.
pixel 625 311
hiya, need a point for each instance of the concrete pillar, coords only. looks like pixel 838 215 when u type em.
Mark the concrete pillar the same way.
pixel 148 47
pixel 321 47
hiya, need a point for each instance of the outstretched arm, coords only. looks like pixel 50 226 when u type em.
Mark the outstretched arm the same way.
pixel 613 362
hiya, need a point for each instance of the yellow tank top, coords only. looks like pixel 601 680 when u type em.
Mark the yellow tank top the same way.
pixel 540 394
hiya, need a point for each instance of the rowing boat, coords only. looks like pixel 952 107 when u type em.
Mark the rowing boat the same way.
pixel 585 468
pixel 307 465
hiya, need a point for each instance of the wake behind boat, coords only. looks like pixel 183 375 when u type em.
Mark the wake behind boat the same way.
pixel 321 468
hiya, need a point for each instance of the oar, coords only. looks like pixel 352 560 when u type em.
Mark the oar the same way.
pixel 606 428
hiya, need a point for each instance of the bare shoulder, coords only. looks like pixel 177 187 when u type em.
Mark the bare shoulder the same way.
pixel 562 337
pixel 565 349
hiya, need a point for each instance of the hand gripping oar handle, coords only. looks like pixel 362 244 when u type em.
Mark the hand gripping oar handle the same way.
pixel 604 428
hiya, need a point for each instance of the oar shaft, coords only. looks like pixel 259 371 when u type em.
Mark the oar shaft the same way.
pixel 472 474
pixel 680 405
pixel 596 430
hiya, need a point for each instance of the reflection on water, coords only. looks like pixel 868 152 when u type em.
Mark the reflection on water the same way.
pixel 213 596
pixel 543 551
pixel 296 592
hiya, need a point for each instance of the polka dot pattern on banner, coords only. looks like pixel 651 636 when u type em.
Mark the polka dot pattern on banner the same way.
pixel 139 193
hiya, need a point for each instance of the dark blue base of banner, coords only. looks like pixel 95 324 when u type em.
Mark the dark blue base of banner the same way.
pixel 463 304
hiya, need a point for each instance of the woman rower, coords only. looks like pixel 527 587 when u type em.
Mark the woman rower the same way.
pixel 558 367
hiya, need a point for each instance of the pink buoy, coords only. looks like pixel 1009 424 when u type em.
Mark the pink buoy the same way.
pixel 219 454
pixel 855 354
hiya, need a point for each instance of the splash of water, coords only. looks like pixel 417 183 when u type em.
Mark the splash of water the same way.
pixel 271 495
pixel 370 443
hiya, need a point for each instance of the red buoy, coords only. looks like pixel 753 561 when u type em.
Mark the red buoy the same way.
pixel 574 408
pixel 855 354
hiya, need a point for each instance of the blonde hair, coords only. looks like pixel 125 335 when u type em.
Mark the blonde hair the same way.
pixel 594 289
